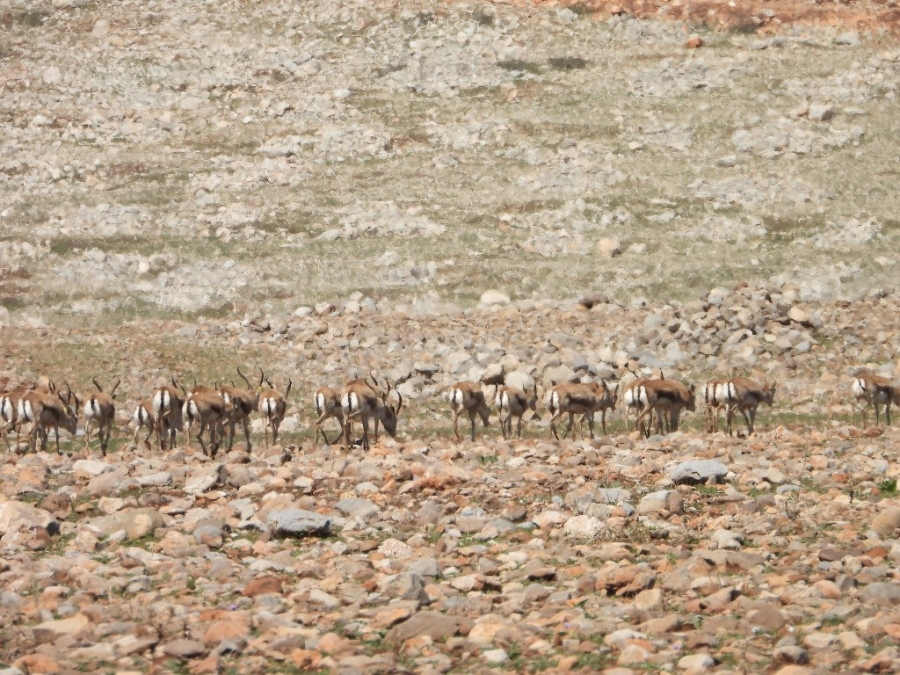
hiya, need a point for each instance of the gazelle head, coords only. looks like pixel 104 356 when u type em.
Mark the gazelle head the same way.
pixel 390 410
pixel 768 392
pixel 532 398
pixel 691 403
pixel 70 404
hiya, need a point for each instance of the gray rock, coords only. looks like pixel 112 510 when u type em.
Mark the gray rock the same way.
pixel 91 467
pixel 887 522
pixel 184 649
pixel 427 567
pixel 298 522
pixel 699 471
pixel 434 625
pixel 881 593
pixel 135 524
pixel 15 516
pixel 357 507
pixel 204 479
pixel 405 586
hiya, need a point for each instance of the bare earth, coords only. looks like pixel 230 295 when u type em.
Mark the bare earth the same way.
pixel 432 192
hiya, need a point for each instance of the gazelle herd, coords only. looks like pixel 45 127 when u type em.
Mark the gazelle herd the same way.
pixel 212 414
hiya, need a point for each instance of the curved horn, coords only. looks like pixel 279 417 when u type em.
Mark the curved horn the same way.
pixel 269 382
pixel 51 386
pixel 399 401
pixel 262 376
pixel 288 390
pixel 97 384
pixel 112 392
pixel 244 378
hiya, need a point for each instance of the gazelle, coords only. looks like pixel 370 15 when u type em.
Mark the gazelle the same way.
pixel 241 404
pixel 875 391
pixel 714 398
pixel 672 397
pixel 667 398
pixel 100 408
pixel 9 412
pixel 513 402
pixel 468 397
pixel 143 417
pixel 210 411
pixel 167 402
pixel 273 406
pixel 363 401
pixel 328 404
pixel 745 396
pixel 45 411
pixel 636 400
pixel 579 399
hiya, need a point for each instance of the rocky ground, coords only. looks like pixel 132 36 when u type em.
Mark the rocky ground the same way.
pixel 688 553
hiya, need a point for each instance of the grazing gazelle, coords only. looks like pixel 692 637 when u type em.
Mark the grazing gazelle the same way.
pixel 48 411
pixel 745 396
pixel 273 406
pixel 875 391
pixel 361 400
pixel 513 402
pixel 100 408
pixel 583 399
pixel 328 404
pixel 469 398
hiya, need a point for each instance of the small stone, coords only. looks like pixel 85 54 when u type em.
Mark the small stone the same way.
pixel 697 662
pixel 184 649
pixel 495 655
pixel 298 522
pixel 699 472
pixel 887 522
pixel 821 112
pixel 494 298
pixel 881 593
pixel 609 247
pixel 583 527
pixel 791 654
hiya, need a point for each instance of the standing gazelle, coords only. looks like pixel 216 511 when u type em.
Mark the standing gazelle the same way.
pixel 241 404
pixel 744 395
pixel 273 406
pixel 469 398
pixel 579 399
pixel 363 401
pixel 143 417
pixel 167 402
pixel 100 408
pixel 328 404
pixel 875 391
pixel 9 413
pixel 210 411
pixel 714 399
pixel 513 402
